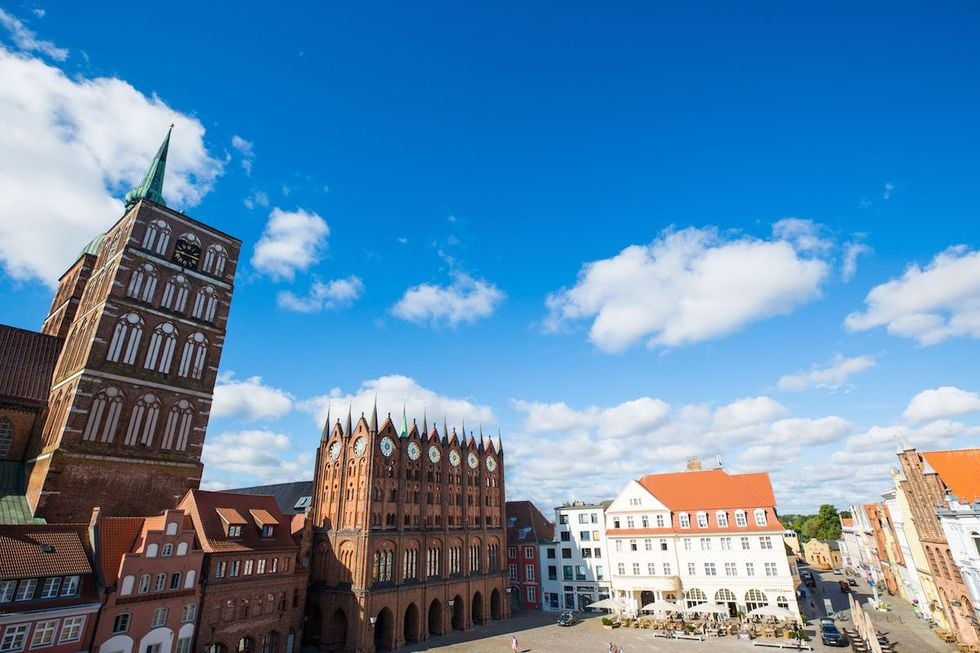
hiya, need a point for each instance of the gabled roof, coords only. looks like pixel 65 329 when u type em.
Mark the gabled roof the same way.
pixel 206 510
pixel 27 360
pixel 292 498
pixel 959 470
pixel 526 524
pixel 115 537
pixel 712 489
pixel 39 550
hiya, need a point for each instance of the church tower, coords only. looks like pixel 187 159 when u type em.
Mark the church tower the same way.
pixel 143 313
pixel 408 527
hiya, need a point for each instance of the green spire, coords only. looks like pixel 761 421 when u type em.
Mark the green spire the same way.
pixel 151 187
pixel 404 431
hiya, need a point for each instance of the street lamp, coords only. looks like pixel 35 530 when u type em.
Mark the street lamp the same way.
pixel 451 603
pixel 373 621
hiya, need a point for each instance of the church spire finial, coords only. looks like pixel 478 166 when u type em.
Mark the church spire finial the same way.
pixel 151 187
pixel 326 427
pixel 404 431
pixel 374 416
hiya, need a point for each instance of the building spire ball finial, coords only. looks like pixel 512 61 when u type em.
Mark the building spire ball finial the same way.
pixel 151 187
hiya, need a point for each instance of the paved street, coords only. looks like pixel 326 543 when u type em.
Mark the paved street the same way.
pixel 538 633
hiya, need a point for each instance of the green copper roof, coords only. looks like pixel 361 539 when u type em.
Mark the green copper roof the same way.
pixel 151 187
pixel 93 247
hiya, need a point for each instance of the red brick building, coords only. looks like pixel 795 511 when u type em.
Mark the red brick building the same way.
pixel 150 570
pixel 408 531
pixel 49 596
pixel 527 527
pixel 141 315
pixel 254 586
pixel 928 477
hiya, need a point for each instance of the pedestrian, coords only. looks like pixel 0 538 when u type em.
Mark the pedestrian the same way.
pixel 611 648
pixel 513 642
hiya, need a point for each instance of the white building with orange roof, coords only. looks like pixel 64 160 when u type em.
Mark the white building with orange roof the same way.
pixel 699 536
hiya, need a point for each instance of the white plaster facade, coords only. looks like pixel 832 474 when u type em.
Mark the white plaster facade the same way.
pixel 724 553
pixel 575 568
pixel 961 524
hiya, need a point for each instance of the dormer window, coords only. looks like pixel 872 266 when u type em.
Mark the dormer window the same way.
pixel 268 531
pixel 685 520
pixel 760 517
pixel 232 521
pixel 722 518
pixel 265 521
pixel 702 520
pixel 740 519
pixel 234 530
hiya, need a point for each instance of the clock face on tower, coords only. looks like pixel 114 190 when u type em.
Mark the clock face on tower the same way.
pixel 454 458
pixel 472 460
pixel 187 254
pixel 334 450
pixel 359 445
pixel 414 451
pixel 491 463
pixel 387 446
pixel 434 454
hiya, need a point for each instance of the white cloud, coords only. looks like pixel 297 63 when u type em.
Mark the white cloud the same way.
pixel 339 293
pixel 886 194
pixel 464 301
pixel 687 286
pixel 594 450
pixel 852 251
pixel 26 40
pixel 831 376
pixel 929 305
pixel 258 198
pixel 291 242
pixel 748 411
pixel 246 149
pixel 805 235
pixel 249 400
pixel 70 148
pixel 392 393
pixel 937 403
pixel 256 456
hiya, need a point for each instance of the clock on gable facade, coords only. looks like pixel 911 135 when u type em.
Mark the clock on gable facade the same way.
pixel 187 254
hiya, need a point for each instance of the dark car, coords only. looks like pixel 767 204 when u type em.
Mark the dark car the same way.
pixel 830 636
pixel 844 586
pixel 809 582
pixel 566 619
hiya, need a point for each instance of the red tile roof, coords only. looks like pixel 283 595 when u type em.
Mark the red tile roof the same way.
pixel 115 537
pixel 712 489
pixel 27 361
pixel 959 470
pixel 22 555
pixel 204 507
pixel 526 524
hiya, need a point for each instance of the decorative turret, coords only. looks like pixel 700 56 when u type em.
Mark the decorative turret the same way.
pixel 151 187
pixel 350 424
pixel 374 416
pixel 326 427
pixel 404 431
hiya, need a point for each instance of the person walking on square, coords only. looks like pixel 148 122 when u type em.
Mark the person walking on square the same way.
pixel 513 642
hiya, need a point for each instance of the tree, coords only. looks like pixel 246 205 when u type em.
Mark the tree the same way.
pixel 825 525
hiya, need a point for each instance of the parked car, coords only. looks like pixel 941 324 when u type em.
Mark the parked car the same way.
pixel 826 621
pixel 852 582
pixel 809 582
pixel 830 636
pixel 837 572
pixel 566 619
pixel 844 586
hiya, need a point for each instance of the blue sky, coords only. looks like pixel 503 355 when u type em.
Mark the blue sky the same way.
pixel 622 235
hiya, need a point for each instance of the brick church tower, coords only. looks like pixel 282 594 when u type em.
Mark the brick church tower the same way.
pixel 408 531
pixel 142 312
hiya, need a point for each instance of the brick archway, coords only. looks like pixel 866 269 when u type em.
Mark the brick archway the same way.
pixel 495 609
pixel 410 624
pixel 435 617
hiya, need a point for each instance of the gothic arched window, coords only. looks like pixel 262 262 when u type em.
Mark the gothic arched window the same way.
pixel 160 353
pixel 178 428
pixel 143 421
pixel 214 260
pixel 157 237
pixel 193 357
pixel 205 304
pixel 175 294
pixel 6 437
pixel 103 417
pixel 125 341
pixel 143 283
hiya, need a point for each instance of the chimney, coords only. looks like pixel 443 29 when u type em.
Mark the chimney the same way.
pixel 694 464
